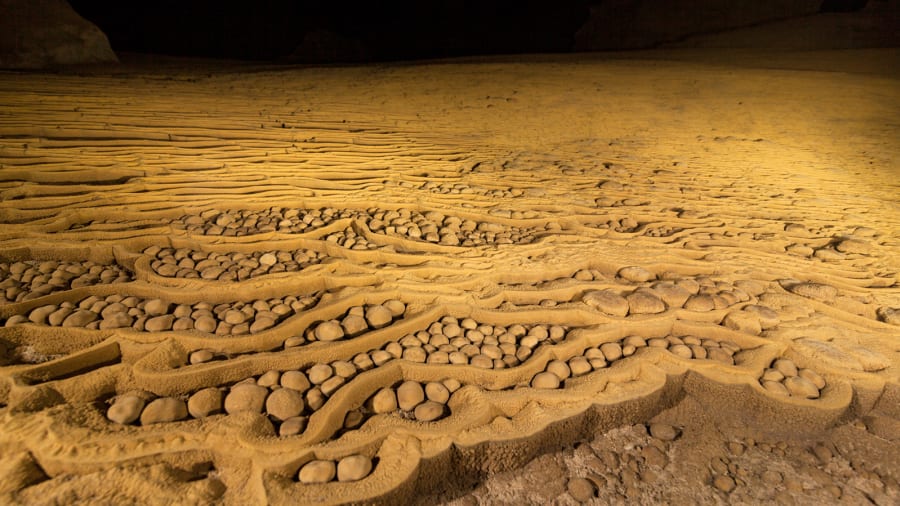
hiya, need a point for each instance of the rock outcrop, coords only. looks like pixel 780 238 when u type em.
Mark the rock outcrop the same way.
pixel 38 34
pixel 637 24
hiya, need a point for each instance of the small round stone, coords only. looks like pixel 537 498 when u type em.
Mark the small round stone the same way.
pixel 354 325
pixel 246 397
pixel 353 468
pixel 284 403
pixel 205 402
pixel 80 318
pixel 156 307
pixel 205 323
pixel 378 316
pixel 126 409
pixel 724 483
pixel 396 307
pixel 317 471
pixel 384 401
pixel 429 411
pixel 437 392
pixel 409 395
pixel 329 331
pixel 644 302
pixel 164 409
pixel 611 351
pixel 801 387
pixel 292 426
pixel 546 380
pixel 319 373
pixel 607 301
pixel 681 350
pixel 635 274
pixel 295 380
pixel 559 368
pixel 581 489
pixel 814 377
pixel 663 432
pixel 159 323
pixel 331 385
pixel 579 366
pixel 785 367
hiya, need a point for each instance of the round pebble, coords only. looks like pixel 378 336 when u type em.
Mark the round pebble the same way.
pixel 409 395
pixel 353 468
pixel 378 316
pixel 546 380
pixel 663 432
pixel 429 411
pixel 801 387
pixel 284 403
pixel 319 373
pixel 559 368
pixel 206 402
pixel 126 409
pixel 295 380
pixel 246 397
pixel 164 409
pixel 384 401
pixel 644 302
pixel 437 392
pixel 317 471
pixel 611 351
pixel 607 301
pixel 635 274
pixel 329 331
pixel 581 489
pixel 292 426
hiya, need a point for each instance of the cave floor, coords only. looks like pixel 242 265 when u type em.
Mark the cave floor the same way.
pixel 654 277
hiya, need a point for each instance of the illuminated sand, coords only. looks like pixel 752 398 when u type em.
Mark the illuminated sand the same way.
pixel 553 252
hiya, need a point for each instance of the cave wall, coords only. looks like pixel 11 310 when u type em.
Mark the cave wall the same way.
pixel 638 24
pixel 38 34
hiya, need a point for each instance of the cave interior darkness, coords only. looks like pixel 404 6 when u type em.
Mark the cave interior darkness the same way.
pixel 271 30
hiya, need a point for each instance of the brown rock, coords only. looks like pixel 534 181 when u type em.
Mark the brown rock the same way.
pixel 317 471
pixel 156 307
pixel 329 331
pixel 295 380
pixel 700 303
pixel 206 402
pixel 353 468
pixel 546 380
pixel 607 301
pixel 246 397
pixel 384 401
pixel 159 323
pixel 663 432
pixel 429 411
pixel 378 316
pixel 164 409
pixel 801 387
pixel 409 395
pixel 284 403
pixel 126 409
pixel 581 489
pixel 636 274
pixel 50 33
pixel 354 325
pixel 644 302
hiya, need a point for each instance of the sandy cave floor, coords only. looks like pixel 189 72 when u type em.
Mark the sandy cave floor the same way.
pixel 671 278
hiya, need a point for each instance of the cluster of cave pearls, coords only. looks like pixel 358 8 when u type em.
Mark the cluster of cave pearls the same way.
pixel 364 351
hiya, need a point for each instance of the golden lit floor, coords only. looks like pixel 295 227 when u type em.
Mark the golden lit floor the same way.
pixel 659 277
